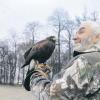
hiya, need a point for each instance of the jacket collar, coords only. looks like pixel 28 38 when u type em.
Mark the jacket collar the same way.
pixel 94 48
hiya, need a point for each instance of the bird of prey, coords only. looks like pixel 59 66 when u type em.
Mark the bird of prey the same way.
pixel 41 51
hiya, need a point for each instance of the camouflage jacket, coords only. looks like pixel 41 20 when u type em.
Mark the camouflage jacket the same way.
pixel 81 78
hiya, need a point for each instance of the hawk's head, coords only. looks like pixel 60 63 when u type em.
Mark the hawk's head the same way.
pixel 52 38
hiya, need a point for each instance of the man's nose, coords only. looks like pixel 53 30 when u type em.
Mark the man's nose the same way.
pixel 75 36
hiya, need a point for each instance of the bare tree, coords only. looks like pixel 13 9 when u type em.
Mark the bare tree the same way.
pixel 57 20
pixel 94 16
pixel 21 48
pixel 69 27
pixel 12 57
pixel 31 29
pixel 3 64
pixel 62 23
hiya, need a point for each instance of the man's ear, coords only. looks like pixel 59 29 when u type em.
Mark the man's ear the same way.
pixel 96 38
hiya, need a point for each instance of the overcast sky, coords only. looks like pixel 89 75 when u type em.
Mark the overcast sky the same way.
pixel 15 14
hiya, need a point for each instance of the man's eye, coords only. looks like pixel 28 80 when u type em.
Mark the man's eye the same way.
pixel 81 31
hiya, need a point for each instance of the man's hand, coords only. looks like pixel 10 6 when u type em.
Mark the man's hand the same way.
pixel 55 88
pixel 58 86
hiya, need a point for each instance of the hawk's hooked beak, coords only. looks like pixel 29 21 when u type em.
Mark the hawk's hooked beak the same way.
pixel 54 39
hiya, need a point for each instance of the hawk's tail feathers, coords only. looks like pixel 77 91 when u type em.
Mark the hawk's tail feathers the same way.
pixel 23 66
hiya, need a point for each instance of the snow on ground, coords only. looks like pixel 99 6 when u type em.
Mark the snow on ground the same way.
pixel 14 93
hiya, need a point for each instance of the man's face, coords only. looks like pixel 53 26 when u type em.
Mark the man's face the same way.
pixel 83 33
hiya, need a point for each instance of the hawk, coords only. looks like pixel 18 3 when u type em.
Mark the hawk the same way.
pixel 41 51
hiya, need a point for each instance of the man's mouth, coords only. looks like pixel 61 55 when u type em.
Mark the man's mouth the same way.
pixel 74 39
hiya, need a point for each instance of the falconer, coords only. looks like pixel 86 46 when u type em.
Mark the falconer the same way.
pixel 81 78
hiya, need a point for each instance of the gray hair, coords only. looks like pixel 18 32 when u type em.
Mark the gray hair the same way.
pixel 95 26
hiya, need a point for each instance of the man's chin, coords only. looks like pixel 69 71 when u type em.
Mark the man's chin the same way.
pixel 78 47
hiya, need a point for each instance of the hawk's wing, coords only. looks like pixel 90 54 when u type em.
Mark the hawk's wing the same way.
pixel 35 49
pixel 27 53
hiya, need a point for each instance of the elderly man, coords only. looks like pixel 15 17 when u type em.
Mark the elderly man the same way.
pixel 81 78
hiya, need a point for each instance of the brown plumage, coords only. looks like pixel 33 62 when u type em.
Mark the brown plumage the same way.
pixel 41 51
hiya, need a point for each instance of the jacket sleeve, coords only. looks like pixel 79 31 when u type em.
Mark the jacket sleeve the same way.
pixel 40 85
